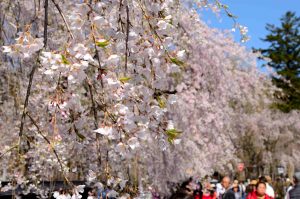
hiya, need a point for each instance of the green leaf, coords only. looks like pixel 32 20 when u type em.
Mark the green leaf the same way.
pixel 124 79
pixel 177 61
pixel 225 6
pixel 161 102
pixel 64 60
pixel 172 134
pixel 102 43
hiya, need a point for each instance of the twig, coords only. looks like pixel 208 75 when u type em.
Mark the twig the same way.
pixel 99 154
pixel 98 59
pixel 120 18
pixel 63 16
pixel 53 149
pixel 95 46
pixel 153 30
pixel 127 37
pixel 46 24
pixel 95 122
pixel 10 149
pixel 27 98
pixel 93 105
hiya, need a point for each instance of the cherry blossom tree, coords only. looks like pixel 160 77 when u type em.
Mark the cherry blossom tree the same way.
pixel 124 93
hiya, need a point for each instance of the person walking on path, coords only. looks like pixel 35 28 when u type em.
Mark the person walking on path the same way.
pixel 269 189
pixel 251 187
pixel 260 192
pixel 294 193
pixel 229 194
pixel 209 192
pixel 237 191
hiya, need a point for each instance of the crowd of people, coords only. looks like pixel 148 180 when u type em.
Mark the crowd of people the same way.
pixel 261 188
pixel 208 188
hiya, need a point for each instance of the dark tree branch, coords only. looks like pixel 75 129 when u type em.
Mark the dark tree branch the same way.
pixel 27 98
pixel 127 37
pixel 158 92
pixel 46 24
pixel 93 105
pixel 98 59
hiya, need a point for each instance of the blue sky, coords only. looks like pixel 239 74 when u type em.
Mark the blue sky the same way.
pixel 254 14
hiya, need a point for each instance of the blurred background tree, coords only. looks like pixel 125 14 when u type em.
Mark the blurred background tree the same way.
pixel 283 56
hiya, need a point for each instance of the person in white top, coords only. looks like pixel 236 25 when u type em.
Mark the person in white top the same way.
pixel 270 191
pixel 287 195
pixel 220 190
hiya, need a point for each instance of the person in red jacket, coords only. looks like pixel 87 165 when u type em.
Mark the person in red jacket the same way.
pixel 209 192
pixel 260 192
